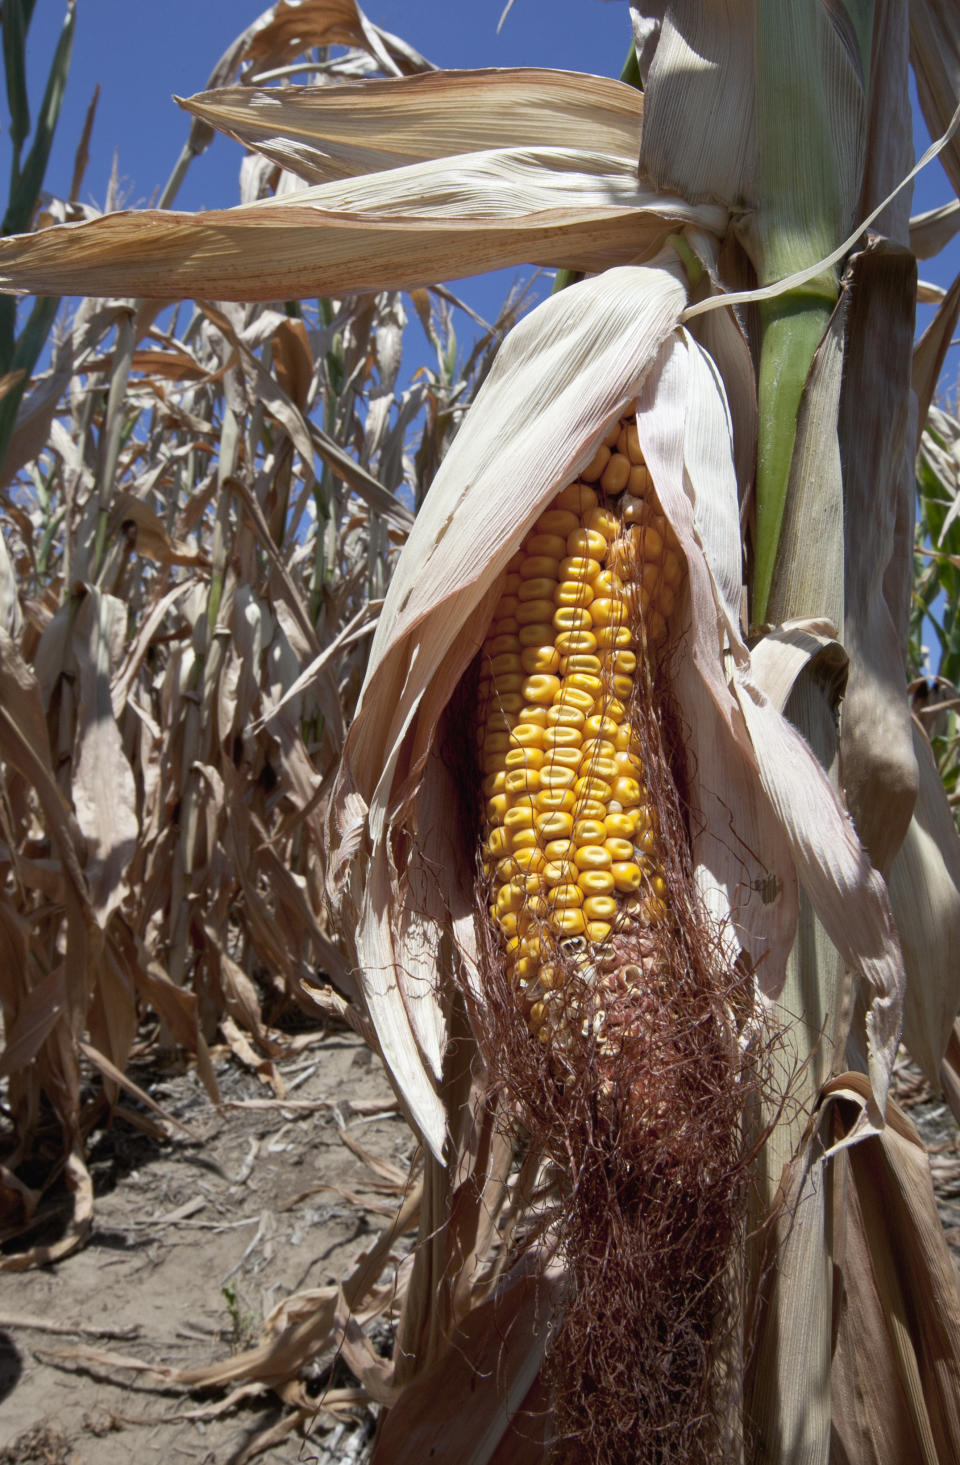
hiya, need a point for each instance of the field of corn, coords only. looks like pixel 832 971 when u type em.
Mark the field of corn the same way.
pixel 480 878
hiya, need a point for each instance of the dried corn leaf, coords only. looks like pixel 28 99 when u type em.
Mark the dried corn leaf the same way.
pixel 321 133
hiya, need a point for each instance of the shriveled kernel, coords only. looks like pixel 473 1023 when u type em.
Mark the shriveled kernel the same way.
pixel 597 463
pixel 616 475
pixel 578 496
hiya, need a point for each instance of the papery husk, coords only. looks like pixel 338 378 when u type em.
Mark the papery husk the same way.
pixel 322 133
pixel 873 1374
pixel 400 228
pixel 935 58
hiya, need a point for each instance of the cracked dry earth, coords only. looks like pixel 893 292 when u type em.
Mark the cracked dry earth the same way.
pixel 193 1242
pixel 196 1239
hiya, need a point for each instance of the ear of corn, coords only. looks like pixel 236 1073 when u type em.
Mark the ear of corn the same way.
pixel 571 841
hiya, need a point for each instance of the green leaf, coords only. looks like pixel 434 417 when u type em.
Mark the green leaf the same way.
pixel 26 191
pixel 15 22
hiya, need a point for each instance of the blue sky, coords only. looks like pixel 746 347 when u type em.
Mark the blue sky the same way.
pixel 142 53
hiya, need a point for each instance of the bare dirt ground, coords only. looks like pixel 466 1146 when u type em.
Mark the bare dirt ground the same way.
pixel 196 1239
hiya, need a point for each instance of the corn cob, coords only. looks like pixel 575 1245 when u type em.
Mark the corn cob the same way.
pixel 571 845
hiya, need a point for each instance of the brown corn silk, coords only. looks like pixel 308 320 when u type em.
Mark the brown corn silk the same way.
pixel 609 1012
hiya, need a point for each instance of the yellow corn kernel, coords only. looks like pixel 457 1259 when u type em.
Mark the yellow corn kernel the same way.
pixel 621 825
pixel 563 897
pixel 562 736
pixel 585 682
pixel 550 977
pixel 535 612
pixel 645 840
pixel 597 931
pixel 525 969
pixel 524 781
pixel 584 567
pixel 573 592
pixel 519 816
pixel 554 801
pixel 560 849
pixel 536 567
pixel 519 839
pixel 586 542
pixel 589 831
pixel 600 725
pixel 614 636
pixel 627 875
pixel 597 463
pixel 576 496
pixel 506 662
pixel 528 735
pixel 586 787
pixel 496 843
pixel 626 792
pixel 565 715
pixel 495 645
pixel 568 757
pixel 522 758
pixel 583 664
pixel 511 579
pixel 556 776
pixel 556 824
pixel 568 618
pixel 597 882
pixel 494 783
pixel 533 716
pixel 497 808
pixel 600 907
pixel 541 687
pixel 592 857
pixel 603 522
pixel 509 898
pixel 572 643
pixel 618 849
pixel 654 910
pixel 599 767
pixel 597 748
pixel 559 874
pixel 605 612
pixel 557 521
pixel 508 603
pixel 569 922
pixel 539 658
pixel 507 923
pixel 540 588
pixel 535 633
pixel 590 808
pixel 571 695
pixel 616 475
pixel 553 545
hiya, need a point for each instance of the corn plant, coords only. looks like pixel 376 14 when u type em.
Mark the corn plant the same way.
pixel 666 1211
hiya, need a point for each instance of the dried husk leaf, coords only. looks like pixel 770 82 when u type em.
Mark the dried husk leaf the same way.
pixel 924 884
pixel 322 133
pixel 932 231
pixel 935 58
